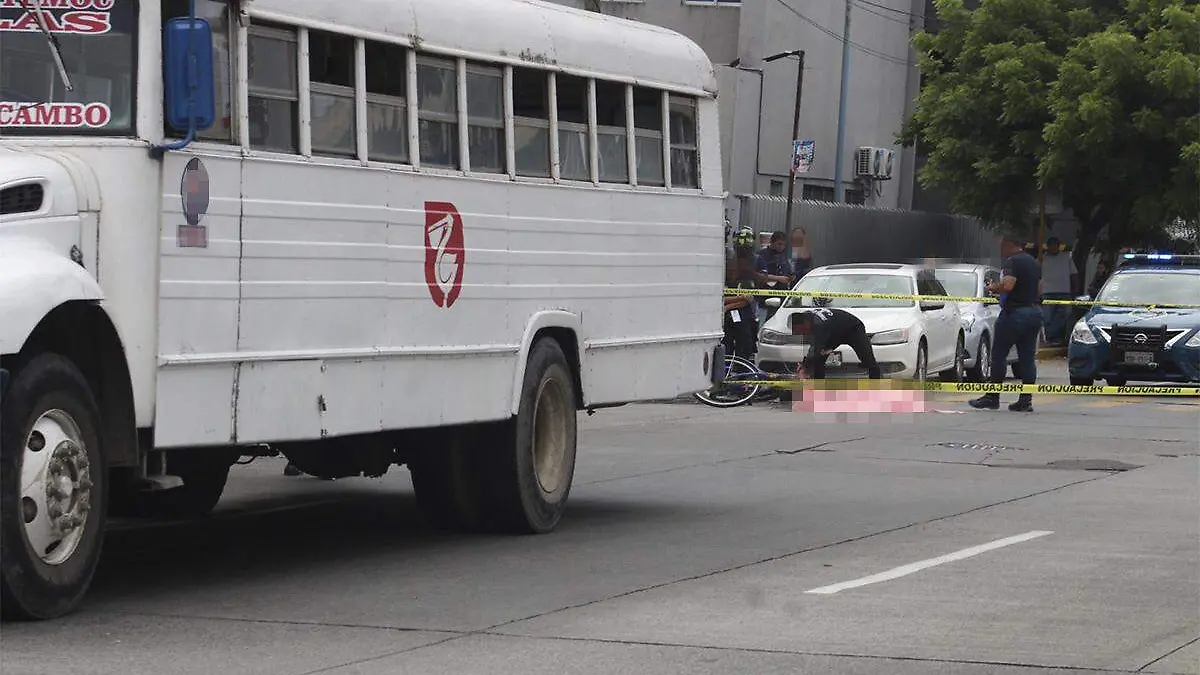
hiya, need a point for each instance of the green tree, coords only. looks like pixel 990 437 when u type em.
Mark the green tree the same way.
pixel 1098 100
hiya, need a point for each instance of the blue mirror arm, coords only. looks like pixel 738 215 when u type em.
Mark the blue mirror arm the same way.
pixel 158 151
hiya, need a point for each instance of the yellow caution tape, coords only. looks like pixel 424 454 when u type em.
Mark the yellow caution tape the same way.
pixel 972 387
pixel 940 298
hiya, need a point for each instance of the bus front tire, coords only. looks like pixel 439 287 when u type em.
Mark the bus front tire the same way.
pixel 49 430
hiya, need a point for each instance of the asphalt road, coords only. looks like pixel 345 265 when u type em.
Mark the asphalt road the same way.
pixel 983 542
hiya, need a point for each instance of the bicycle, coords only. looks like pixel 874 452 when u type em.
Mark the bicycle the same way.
pixel 739 370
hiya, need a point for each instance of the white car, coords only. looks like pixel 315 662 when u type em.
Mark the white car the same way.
pixel 978 319
pixel 910 339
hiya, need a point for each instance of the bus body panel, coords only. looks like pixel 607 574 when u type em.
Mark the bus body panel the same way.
pixel 334 329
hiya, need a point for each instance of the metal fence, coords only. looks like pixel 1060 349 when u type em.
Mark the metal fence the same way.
pixel 846 233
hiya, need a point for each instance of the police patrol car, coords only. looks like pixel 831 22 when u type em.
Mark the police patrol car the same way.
pixel 1128 334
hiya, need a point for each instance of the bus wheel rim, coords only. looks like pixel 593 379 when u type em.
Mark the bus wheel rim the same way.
pixel 56 487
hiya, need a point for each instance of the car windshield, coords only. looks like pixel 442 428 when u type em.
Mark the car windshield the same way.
pixel 962 283
pixel 97 42
pixel 1148 288
pixel 890 284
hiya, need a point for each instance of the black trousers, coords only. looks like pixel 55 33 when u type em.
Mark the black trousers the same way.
pixel 861 344
pixel 739 338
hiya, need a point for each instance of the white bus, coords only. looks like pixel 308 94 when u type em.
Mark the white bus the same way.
pixel 361 234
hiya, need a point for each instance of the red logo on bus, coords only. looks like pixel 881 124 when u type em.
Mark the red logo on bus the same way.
pixel 445 256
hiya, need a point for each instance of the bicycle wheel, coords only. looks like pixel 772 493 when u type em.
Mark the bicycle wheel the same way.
pixel 732 395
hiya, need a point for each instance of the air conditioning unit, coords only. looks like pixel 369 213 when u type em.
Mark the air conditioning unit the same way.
pixel 873 163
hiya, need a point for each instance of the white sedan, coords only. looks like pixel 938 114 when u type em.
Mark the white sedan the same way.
pixel 910 339
pixel 978 319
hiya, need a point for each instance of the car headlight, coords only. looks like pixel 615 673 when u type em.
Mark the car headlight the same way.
pixel 1083 334
pixel 890 337
pixel 1193 341
pixel 772 337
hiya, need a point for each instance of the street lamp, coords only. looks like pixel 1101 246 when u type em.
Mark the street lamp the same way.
pixel 799 53
pixel 791 195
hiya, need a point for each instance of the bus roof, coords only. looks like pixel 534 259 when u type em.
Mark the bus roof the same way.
pixel 519 32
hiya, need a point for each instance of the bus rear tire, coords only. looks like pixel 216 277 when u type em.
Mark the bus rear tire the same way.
pixel 50 421
pixel 445 479
pixel 537 464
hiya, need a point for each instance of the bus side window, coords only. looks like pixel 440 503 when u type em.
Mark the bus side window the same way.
pixel 531 117
pixel 611 137
pixel 274 89
pixel 437 111
pixel 485 115
pixel 574 147
pixel 331 92
pixel 387 102
pixel 685 164
pixel 648 135
pixel 216 12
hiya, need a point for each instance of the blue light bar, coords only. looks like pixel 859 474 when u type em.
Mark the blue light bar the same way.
pixel 1166 258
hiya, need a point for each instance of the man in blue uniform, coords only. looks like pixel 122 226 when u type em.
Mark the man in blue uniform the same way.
pixel 774 272
pixel 827 329
pixel 1019 323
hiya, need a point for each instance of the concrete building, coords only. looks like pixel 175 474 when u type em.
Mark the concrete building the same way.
pixel 757 97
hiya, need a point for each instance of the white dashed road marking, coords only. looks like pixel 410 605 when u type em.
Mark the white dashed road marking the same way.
pixel 905 570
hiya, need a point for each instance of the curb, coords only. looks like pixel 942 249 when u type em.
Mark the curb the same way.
pixel 1046 353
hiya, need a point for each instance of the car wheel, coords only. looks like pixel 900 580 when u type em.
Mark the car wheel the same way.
pixel 958 371
pixel 982 371
pixel 921 369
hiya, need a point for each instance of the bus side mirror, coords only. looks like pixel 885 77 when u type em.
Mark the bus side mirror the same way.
pixel 188 85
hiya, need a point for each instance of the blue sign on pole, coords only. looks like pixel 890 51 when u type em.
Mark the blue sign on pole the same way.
pixel 803 153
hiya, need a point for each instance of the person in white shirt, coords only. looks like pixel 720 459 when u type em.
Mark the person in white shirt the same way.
pixel 1060 281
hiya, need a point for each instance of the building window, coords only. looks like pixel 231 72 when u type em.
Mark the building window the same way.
pixel 776 188
pixel 437 110
pixel 574 150
pixel 648 135
pixel 817 193
pixel 387 102
pixel 217 15
pixel 273 92
pixel 611 134
pixel 485 114
pixel 531 117
pixel 331 92
pixel 685 159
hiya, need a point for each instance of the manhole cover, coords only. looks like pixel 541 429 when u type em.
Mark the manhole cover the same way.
pixel 1092 465
pixel 985 447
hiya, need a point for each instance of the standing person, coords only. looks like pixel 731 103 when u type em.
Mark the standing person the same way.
pixel 740 324
pixel 774 270
pixel 1019 322
pixel 1060 282
pixel 828 329
pixel 1098 278
pixel 801 255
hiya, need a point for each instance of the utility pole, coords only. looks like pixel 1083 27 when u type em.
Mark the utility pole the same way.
pixel 839 191
pixel 795 137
